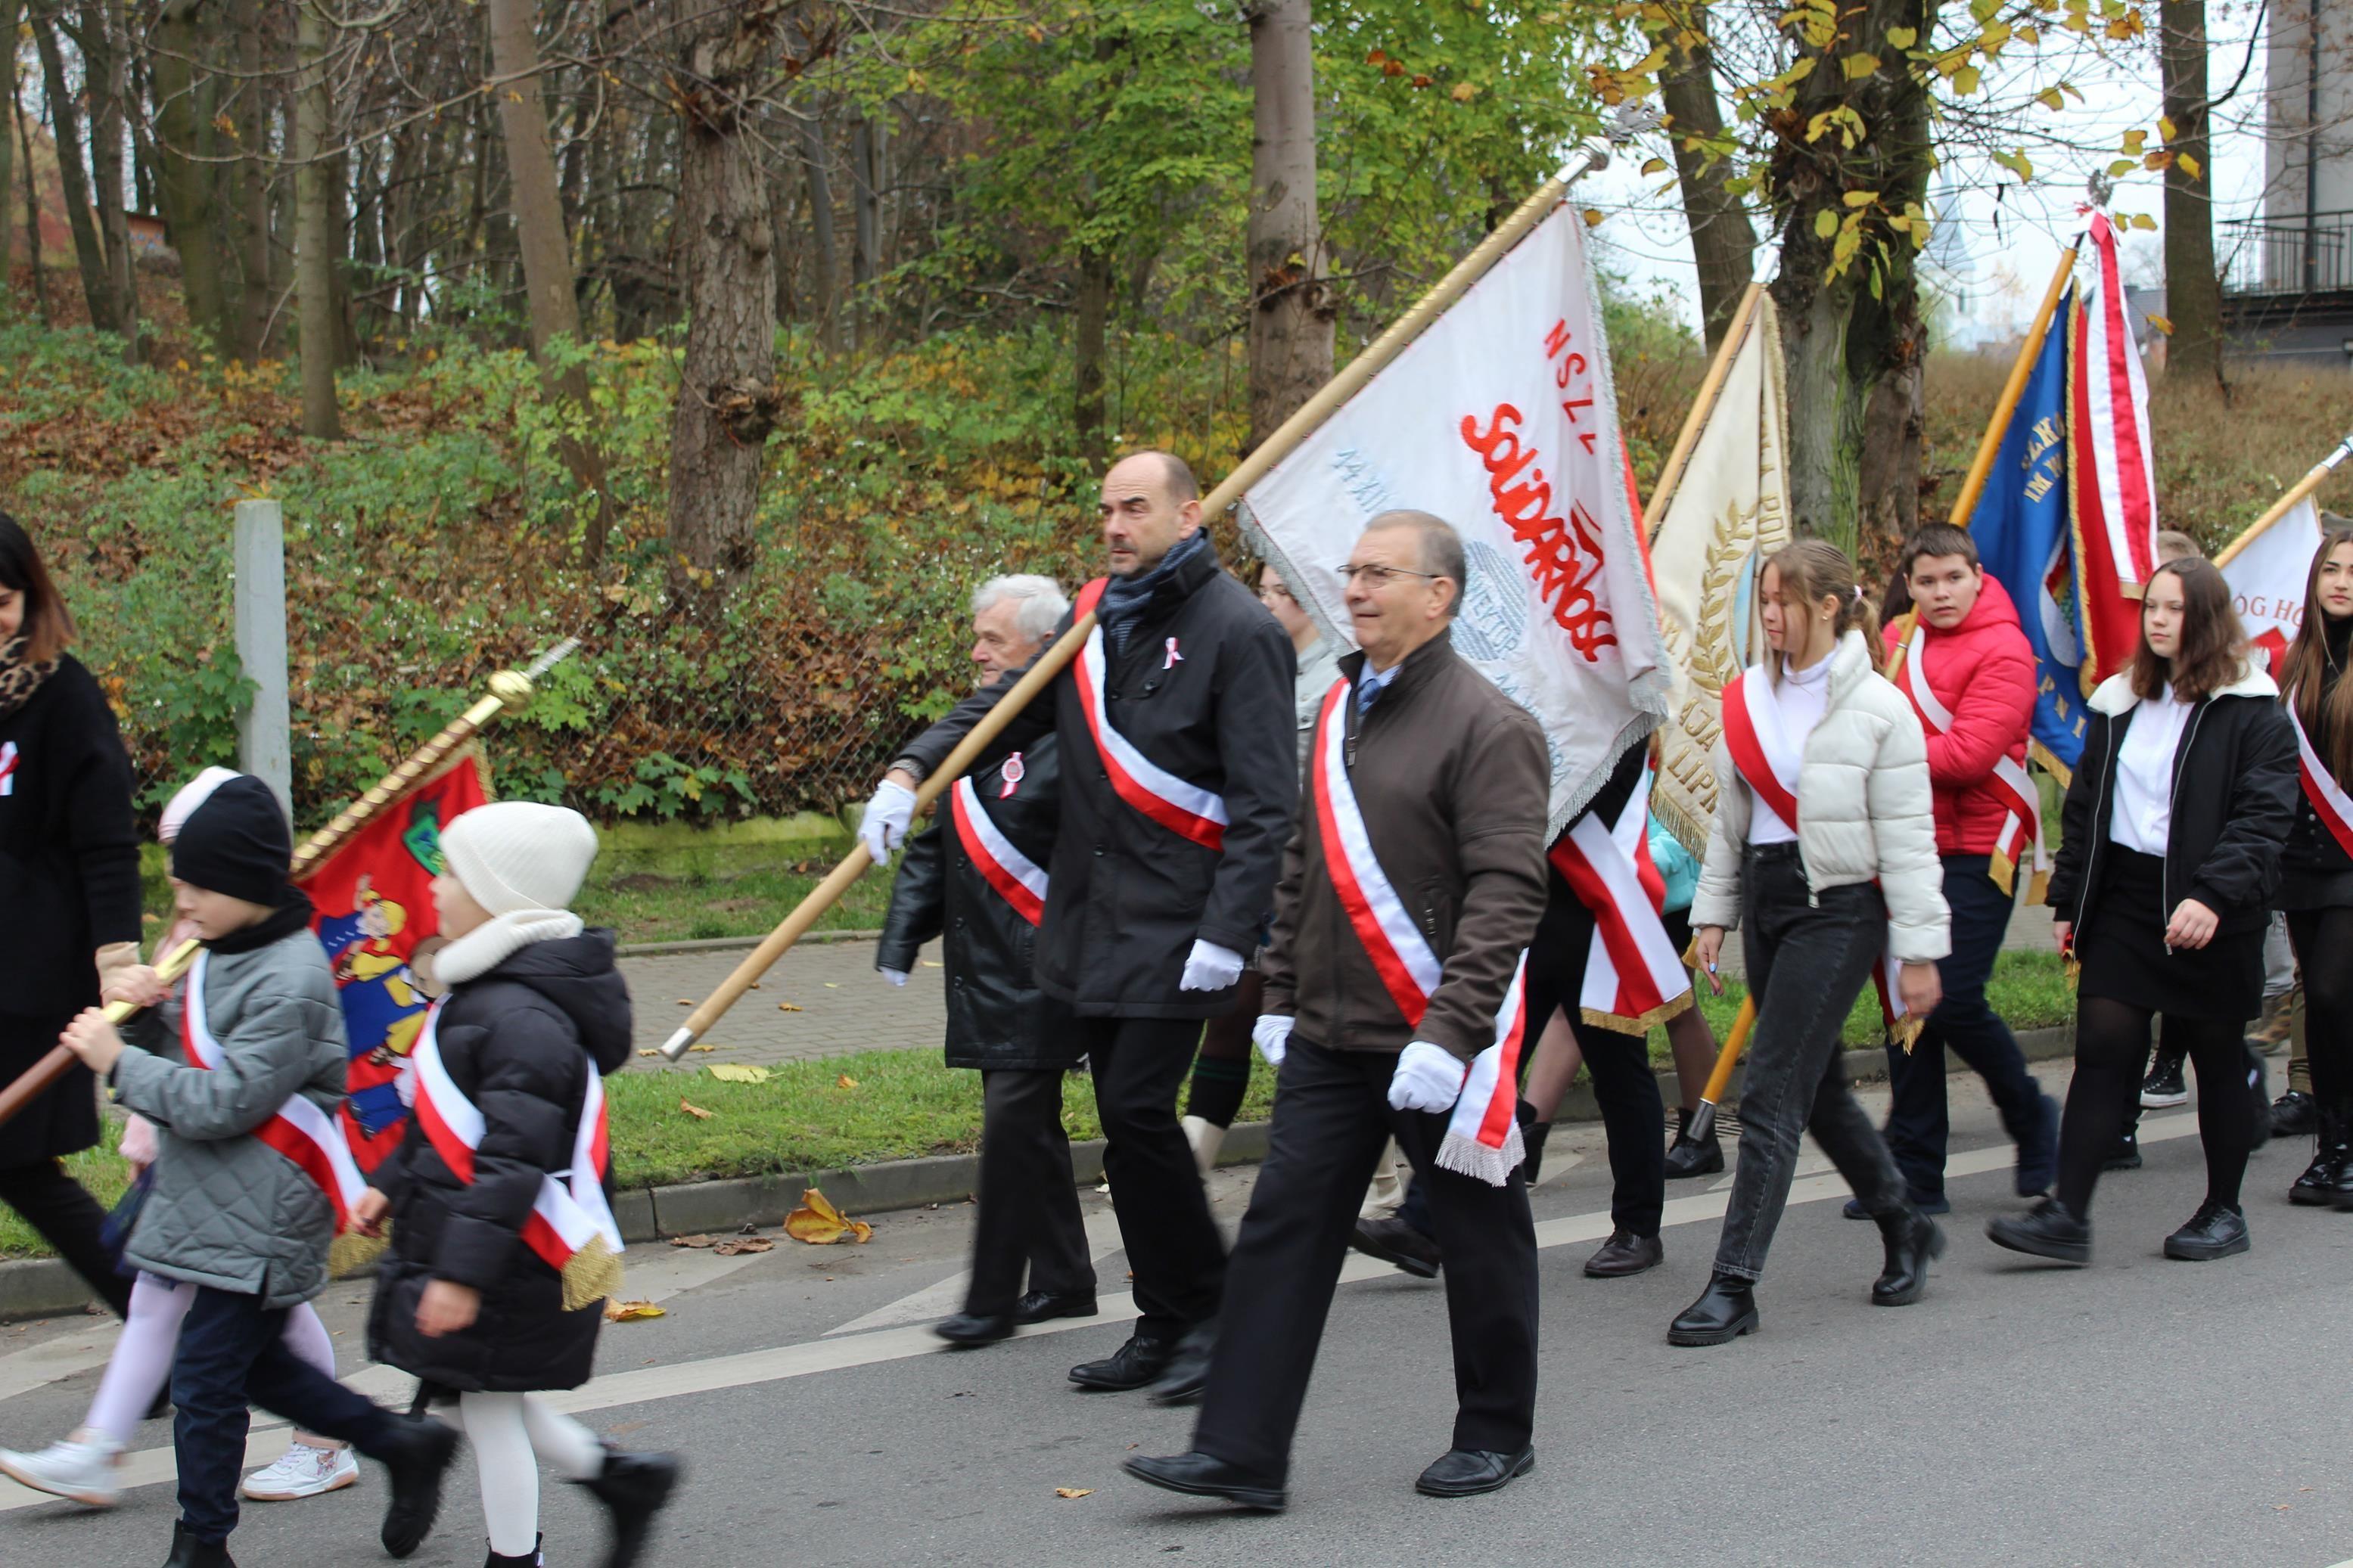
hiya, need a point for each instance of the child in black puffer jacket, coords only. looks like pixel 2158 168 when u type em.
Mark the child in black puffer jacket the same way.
pixel 503 1242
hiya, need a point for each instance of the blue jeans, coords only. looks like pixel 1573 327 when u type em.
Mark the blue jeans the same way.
pixel 1917 1126
pixel 232 1352
pixel 1808 957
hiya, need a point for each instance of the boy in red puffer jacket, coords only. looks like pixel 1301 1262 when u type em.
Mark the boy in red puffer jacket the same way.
pixel 1970 673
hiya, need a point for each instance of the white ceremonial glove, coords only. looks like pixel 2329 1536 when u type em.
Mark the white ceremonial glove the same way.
pixel 1272 1035
pixel 895 976
pixel 1428 1078
pixel 884 826
pixel 1210 968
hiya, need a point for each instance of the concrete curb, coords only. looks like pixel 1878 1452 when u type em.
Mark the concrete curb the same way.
pixel 43 1287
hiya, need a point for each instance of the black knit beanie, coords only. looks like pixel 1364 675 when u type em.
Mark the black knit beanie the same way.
pixel 236 843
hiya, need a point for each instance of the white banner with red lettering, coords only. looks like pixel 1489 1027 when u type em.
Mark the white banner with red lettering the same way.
pixel 1500 418
pixel 2267 578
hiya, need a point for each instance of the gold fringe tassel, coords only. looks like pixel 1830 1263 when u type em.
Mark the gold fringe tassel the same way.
pixel 352 1253
pixel 590 1275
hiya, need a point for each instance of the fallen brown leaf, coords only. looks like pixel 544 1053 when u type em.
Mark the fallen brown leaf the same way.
pixel 787 1007
pixel 650 1052
pixel 618 1312
pixel 686 1001
pixel 697 1239
pixel 1074 1491
pixel 735 1247
pixel 695 1110
pixel 702 1048
pixel 820 1224
pixel 844 1081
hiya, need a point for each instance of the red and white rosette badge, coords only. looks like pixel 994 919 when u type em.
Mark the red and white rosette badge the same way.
pixel 1483 1134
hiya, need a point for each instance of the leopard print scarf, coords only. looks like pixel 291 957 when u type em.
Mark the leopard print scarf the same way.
pixel 20 679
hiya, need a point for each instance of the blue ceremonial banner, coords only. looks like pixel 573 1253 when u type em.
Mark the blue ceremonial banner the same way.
pixel 2022 532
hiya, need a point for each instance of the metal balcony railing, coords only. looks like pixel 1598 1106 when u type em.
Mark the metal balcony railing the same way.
pixel 2289 256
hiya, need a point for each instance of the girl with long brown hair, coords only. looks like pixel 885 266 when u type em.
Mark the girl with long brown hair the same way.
pixel 2170 854
pixel 2316 870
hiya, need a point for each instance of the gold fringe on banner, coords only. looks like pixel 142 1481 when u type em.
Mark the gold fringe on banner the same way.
pixel 590 1275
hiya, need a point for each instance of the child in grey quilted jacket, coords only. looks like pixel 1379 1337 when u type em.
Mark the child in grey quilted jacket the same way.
pixel 250 1174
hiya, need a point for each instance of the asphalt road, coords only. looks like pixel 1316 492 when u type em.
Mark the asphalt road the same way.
pixel 2138 1412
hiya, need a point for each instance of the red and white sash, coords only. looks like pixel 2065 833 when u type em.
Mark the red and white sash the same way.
pixel 1483 1136
pixel 1768 764
pixel 1633 977
pixel 2329 801
pixel 305 1134
pixel 1016 879
pixel 2023 825
pixel 1180 807
pixel 569 1211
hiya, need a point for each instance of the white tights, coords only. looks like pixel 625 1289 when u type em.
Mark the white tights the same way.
pixel 511 1432
pixel 142 1363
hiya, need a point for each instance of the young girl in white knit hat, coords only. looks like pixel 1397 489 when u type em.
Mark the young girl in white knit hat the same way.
pixel 502 1236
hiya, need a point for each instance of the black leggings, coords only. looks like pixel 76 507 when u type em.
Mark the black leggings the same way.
pixel 1222 1072
pixel 68 1219
pixel 2324 956
pixel 2111 1053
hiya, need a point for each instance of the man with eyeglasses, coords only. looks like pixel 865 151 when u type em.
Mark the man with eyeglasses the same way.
pixel 1408 894
pixel 1177 787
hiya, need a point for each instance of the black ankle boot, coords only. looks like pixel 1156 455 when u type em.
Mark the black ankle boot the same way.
pixel 531 1558
pixel 2316 1188
pixel 2336 1144
pixel 1913 1238
pixel 1724 1311
pixel 188 1552
pixel 633 1488
pixel 1689 1156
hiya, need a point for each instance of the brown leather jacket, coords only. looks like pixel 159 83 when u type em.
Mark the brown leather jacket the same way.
pixel 1453 779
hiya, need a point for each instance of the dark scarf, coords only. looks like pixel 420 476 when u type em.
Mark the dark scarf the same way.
pixel 20 679
pixel 1124 598
pixel 292 915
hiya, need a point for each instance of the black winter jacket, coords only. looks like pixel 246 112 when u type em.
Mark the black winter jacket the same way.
pixel 520 1042
pixel 1130 896
pixel 2235 789
pixel 2315 871
pixel 989 947
pixel 69 881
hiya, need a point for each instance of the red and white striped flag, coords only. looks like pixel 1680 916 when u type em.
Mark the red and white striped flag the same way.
pixel 2114 478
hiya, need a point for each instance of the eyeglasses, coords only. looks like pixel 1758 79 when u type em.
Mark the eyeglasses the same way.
pixel 1378 576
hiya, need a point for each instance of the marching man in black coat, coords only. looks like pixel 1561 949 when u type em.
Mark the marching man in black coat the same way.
pixel 499 1197
pixel 979 877
pixel 1179 773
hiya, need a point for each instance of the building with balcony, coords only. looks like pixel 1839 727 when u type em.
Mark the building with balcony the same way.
pixel 2287 281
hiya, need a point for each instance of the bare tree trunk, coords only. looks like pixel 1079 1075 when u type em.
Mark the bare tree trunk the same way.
pixel 1096 276
pixel 866 214
pixel 89 253
pixel 548 279
pixel 2193 292
pixel 253 131
pixel 314 226
pixel 826 306
pixel 1291 310
pixel 184 138
pixel 8 13
pixel 32 214
pixel 1723 245
pixel 727 393
pixel 106 72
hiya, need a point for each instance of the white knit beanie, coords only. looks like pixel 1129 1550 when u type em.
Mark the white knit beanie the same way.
pixel 518 855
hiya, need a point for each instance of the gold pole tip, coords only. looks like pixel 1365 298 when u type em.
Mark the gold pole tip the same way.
pixel 511 686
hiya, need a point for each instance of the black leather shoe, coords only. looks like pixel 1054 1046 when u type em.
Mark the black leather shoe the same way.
pixel 2294 1114
pixel 1724 1311
pixel 417 1460
pixel 2126 1155
pixel 1689 1156
pixel 188 1552
pixel 2038 1154
pixel 1395 1241
pixel 1913 1239
pixel 1039 1306
pixel 633 1488
pixel 2317 1187
pixel 2213 1232
pixel 1467 1472
pixel 1198 1475
pixel 1625 1253
pixel 2046 1230
pixel 1135 1364
pixel 969 1330
pixel 1187 1372
pixel 532 1559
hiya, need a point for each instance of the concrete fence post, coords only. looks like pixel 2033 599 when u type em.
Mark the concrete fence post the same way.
pixel 264 737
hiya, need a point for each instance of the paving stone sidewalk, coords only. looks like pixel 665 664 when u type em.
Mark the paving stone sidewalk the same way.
pixel 842 1006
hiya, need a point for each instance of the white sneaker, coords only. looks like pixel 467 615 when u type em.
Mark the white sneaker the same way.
pixel 78 1468
pixel 302 1471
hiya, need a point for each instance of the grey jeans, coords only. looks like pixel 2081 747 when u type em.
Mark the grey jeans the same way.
pixel 1809 957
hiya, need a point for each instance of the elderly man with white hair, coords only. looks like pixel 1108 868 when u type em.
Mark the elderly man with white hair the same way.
pixel 978 877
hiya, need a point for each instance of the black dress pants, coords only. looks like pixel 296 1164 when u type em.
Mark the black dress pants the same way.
pixel 1029 1198
pixel 1624 1087
pixel 69 1219
pixel 1173 1247
pixel 1332 1118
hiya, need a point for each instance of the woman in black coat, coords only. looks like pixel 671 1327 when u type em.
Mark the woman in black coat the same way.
pixel 2168 859
pixel 69 881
